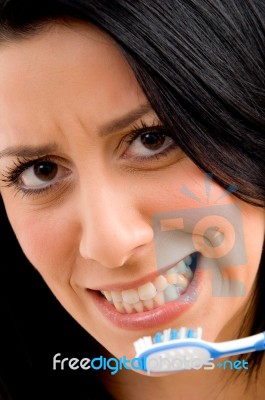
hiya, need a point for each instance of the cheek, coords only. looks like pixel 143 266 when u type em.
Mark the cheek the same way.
pixel 182 186
pixel 254 231
pixel 47 241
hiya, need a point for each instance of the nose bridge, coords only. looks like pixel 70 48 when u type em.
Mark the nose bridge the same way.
pixel 112 226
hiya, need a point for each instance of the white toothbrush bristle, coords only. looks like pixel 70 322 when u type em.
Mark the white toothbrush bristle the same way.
pixel 166 335
pixel 182 332
pixel 142 344
pixel 147 341
pixel 199 333
pixel 137 347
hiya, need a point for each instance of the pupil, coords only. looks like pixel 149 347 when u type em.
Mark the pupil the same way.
pixel 153 141
pixel 45 171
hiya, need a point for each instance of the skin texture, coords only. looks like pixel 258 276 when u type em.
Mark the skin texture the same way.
pixel 93 229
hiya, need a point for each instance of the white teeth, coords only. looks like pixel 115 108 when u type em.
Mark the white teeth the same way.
pixel 172 271
pixel 170 293
pixel 188 273
pixel 182 281
pixel 139 307
pixel 164 288
pixel 160 283
pixel 107 295
pixel 149 304
pixel 147 291
pixel 181 267
pixel 179 290
pixel 130 296
pixel 128 307
pixel 172 278
pixel 116 296
pixel 159 299
pixel 119 306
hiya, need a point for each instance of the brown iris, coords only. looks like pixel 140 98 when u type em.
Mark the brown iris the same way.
pixel 153 140
pixel 45 171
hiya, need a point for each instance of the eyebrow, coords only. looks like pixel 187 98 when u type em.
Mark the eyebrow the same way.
pixel 106 129
pixel 29 151
pixel 123 122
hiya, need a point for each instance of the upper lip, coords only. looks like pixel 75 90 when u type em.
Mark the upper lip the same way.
pixel 138 282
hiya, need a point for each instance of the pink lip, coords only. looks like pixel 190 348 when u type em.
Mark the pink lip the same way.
pixel 153 318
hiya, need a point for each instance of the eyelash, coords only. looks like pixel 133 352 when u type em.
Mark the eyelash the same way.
pixel 13 173
pixel 143 129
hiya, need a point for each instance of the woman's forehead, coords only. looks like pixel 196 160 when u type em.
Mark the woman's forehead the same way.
pixel 61 74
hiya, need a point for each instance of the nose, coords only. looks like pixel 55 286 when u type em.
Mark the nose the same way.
pixel 112 228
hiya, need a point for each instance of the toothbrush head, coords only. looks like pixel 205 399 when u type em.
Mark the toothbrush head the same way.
pixel 172 350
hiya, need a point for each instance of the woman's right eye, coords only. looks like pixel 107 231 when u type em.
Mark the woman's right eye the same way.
pixel 41 174
pixel 35 176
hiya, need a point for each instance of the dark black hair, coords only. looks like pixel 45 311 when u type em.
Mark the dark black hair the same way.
pixel 201 65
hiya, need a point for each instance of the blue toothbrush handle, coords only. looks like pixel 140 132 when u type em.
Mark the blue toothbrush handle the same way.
pixel 239 346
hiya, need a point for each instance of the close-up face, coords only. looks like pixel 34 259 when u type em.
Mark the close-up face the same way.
pixel 128 233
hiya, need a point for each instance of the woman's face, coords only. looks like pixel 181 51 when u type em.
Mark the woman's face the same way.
pixel 101 199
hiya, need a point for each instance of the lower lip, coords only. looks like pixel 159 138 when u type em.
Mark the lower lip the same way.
pixel 153 318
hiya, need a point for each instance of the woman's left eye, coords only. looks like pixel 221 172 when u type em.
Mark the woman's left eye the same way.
pixel 149 144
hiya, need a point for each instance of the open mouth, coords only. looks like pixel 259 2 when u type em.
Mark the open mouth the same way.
pixel 166 287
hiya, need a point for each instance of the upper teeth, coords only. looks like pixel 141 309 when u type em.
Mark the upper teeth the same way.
pixel 166 287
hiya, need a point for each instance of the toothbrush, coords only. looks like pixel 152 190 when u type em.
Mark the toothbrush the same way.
pixel 176 350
